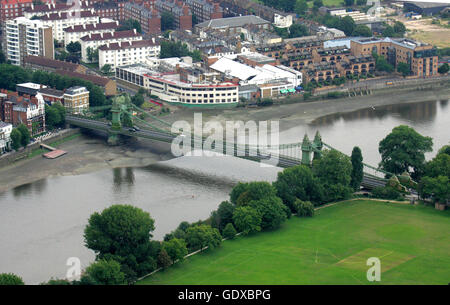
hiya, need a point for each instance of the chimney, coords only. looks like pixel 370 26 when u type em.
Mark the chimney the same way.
pixel 153 39
pixel 134 30
pixel 84 26
pixel 101 35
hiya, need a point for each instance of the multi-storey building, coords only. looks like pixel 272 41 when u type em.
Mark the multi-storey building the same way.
pixel 52 96
pixel 61 20
pixel 10 9
pixel 170 87
pixel 5 136
pixel 93 41
pixel 26 109
pixel 111 10
pixel 24 37
pixel 181 12
pixel 421 57
pixel 76 99
pixel 205 9
pixel 75 32
pixel 127 53
pixel 145 14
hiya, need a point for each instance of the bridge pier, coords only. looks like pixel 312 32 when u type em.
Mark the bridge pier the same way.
pixel 113 139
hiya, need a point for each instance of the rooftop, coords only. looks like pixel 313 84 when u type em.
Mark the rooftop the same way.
pixel 52 63
pixel 232 22
pixel 110 35
pixel 92 26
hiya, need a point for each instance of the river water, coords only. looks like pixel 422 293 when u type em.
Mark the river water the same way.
pixel 42 223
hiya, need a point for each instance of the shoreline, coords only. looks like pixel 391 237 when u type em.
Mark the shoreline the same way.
pixel 91 153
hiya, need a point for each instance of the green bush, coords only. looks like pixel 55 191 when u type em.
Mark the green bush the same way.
pixel 386 193
pixel 304 208
pixel 229 232
pixel 10 279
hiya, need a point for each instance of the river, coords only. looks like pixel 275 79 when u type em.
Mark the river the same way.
pixel 42 223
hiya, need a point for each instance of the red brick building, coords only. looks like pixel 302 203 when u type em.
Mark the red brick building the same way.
pixel 10 9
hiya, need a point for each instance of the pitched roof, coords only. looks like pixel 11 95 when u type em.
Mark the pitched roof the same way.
pixel 232 22
pixel 111 35
pixel 51 63
pixel 96 80
pixel 92 26
pixel 128 45
pixel 52 92
pixel 67 15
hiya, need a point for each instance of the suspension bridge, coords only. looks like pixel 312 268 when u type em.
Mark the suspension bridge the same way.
pixel 129 120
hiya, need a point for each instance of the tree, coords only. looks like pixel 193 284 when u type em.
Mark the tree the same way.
pixel 106 69
pixel 298 182
pixel 164 259
pixel 304 208
pixel 105 272
pixel 271 211
pixel 122 233
pixel 444 68
pixel 16 139
pixel 404 150
pixel 73 47
pixel 399 29
pixel 362 30
pixel 138 99
pixel 347 25
pixel 438 188
pixel 167 21
pixel 388 31
pixel 438 166
pixel 317 4
pixel 403 68
pixel 298 30
pixel 52 116
pixel 175 248
pixel 349 2
pixel 247 219
pixel 223 215
pixel 26 136
pixel 243 193
pixel 229 232
pixel 2 57
pixel 381 63
pixel 10 279
pixel 130 24
pixel 357 168
pixel 334 171
pixel 301 7
pixel 201 236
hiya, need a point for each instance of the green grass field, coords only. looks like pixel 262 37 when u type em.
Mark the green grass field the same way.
pixel 412 242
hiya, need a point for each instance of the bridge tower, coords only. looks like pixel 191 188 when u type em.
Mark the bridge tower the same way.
pixel 317 144
pixel 118 107
pixel 306 150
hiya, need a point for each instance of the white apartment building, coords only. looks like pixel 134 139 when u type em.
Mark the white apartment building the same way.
pixel 61 20
pixel 93 41
pixel 172 88
pixel 76 99
pixel 5 136
pixel 23 37
pixel 127 53
pixel 75 32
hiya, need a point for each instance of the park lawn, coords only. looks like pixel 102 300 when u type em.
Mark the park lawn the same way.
pixel 412 242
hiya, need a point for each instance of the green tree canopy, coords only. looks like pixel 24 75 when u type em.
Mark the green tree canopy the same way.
pixel 200 236
pixel 122 233
pixel 243 193
pixel 175 248
pixel 357 168
pixel 403 68
pixel 247 219
pixel 298 182
pixel 73 47
pixel 26 135
pixel 404 150
pixel 104 272
pixel 334 171
pixel 362 30
pixel 10 279
pixel 164 259
pixel 444 68
pixel 301 7
pixel 16 139
pixel 438 188
pixel 271 211
pixel 229 231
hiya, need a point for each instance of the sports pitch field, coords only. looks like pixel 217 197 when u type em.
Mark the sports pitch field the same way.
pixel 412 243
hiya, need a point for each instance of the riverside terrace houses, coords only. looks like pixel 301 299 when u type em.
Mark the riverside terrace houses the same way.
pixel 320 72
pixel 290 46
pixel 51 65
pixel 75 32
pixel 93 41
pixel 181 12
pixel 146 14
pixel 356 66
pixel 61 20
pixel 333 54
pixel 17 109
pixel 421 57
